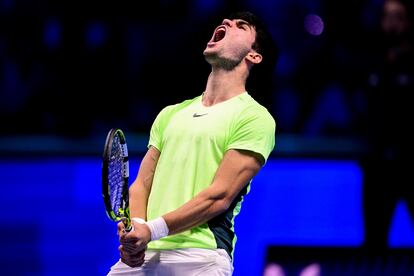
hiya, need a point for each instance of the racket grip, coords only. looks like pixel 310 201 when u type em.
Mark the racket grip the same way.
pixel 127 224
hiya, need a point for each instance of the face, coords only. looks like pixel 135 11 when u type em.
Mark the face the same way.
pixel 395 20
pixel 231 42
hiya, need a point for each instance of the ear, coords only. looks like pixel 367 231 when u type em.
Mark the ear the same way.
pixel 254 57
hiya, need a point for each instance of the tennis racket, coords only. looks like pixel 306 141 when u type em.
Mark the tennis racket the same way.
pixel 115 176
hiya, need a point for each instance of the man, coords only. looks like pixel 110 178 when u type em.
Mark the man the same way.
pixel 202 155
pixel 389 85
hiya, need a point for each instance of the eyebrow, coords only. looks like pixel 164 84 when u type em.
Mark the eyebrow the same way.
pixel 243 22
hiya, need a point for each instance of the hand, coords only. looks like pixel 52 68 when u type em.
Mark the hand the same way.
pixel 133 243
pixel 133 260
pixel 137 239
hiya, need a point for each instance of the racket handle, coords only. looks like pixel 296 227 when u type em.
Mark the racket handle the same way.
pixel 127 224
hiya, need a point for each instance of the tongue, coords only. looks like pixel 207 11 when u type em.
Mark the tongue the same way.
pixel 219 35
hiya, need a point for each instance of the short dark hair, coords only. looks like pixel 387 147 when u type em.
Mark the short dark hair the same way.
pixel 261 74
pixel 264 44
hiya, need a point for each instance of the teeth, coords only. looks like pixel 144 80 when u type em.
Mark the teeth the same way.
pixel 220 33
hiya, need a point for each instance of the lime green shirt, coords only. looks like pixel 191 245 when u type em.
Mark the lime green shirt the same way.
pixel 193 139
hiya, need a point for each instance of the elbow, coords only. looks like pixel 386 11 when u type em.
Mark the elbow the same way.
pixel 219 200
pixel 136 188
pixel 222 205
pixel 133 188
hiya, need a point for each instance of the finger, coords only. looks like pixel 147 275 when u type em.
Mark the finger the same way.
pixel 129 262
pixel 140 255
pixel 137 248
pixel 125 238
pixel 133 253
pixel 132 260
pixel 134 248
pixel 131 249
pixel 132 263
pixel 130 243
pixel 121 228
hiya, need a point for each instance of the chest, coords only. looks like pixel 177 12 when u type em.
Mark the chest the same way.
pixel 200 125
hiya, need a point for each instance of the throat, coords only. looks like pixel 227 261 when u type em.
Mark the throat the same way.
pixel 222 86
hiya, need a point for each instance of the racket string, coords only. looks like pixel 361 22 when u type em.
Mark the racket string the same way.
pixel 116 176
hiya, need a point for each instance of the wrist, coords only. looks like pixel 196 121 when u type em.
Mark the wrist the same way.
pixel 139 220
pixel 158 228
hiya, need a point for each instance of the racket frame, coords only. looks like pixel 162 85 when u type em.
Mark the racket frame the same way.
pixel 123 211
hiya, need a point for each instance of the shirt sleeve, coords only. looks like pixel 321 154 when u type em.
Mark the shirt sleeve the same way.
pixel 254 131
pixel 157 128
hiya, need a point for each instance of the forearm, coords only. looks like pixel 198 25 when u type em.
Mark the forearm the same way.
pixel 205 206
pixel 138 198
pixel 141 188
pixel 235 171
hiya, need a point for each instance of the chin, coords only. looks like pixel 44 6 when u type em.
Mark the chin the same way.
pixel 210 56
pixel 209 51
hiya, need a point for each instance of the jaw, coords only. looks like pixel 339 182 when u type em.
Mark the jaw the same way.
pixel 218 61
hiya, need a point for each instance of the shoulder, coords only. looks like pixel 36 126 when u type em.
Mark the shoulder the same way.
pixel 174 108
pixel 255 111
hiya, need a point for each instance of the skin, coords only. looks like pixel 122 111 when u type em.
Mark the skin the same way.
pixel 231 60
pixel 396 25
pixel 395 19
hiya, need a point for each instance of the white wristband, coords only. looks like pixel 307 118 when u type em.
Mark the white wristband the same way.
pixel 139 220
pixel 158 227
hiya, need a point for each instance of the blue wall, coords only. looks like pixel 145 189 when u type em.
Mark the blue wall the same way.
pixel 53 220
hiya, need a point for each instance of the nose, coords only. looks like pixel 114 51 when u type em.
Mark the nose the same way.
pixel 227 22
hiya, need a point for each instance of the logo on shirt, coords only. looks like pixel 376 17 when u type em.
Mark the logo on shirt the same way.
pixel 199 115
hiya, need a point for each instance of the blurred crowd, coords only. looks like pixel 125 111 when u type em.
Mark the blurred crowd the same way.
pixel 73 69
pixel 345 69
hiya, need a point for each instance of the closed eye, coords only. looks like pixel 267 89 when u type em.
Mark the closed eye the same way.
pixel 243 25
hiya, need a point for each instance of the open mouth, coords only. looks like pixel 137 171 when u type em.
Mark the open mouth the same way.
pixel 219 34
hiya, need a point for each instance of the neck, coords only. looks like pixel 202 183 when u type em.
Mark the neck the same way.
pixel 224 84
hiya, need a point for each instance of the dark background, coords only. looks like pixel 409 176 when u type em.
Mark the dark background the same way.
pixel 71 70
pixel 74 68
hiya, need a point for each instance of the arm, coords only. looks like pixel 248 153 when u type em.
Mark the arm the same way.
pixel 132 249
pixel 235 171
pixel 141 187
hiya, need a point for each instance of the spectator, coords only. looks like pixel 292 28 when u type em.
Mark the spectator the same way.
pixel 389 83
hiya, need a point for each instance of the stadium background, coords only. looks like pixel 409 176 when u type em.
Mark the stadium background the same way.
pixel 70 70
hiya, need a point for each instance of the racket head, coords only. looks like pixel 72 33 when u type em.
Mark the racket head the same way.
pixel 115 177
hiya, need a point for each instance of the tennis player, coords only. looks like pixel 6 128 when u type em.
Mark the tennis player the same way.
pixel 202 155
